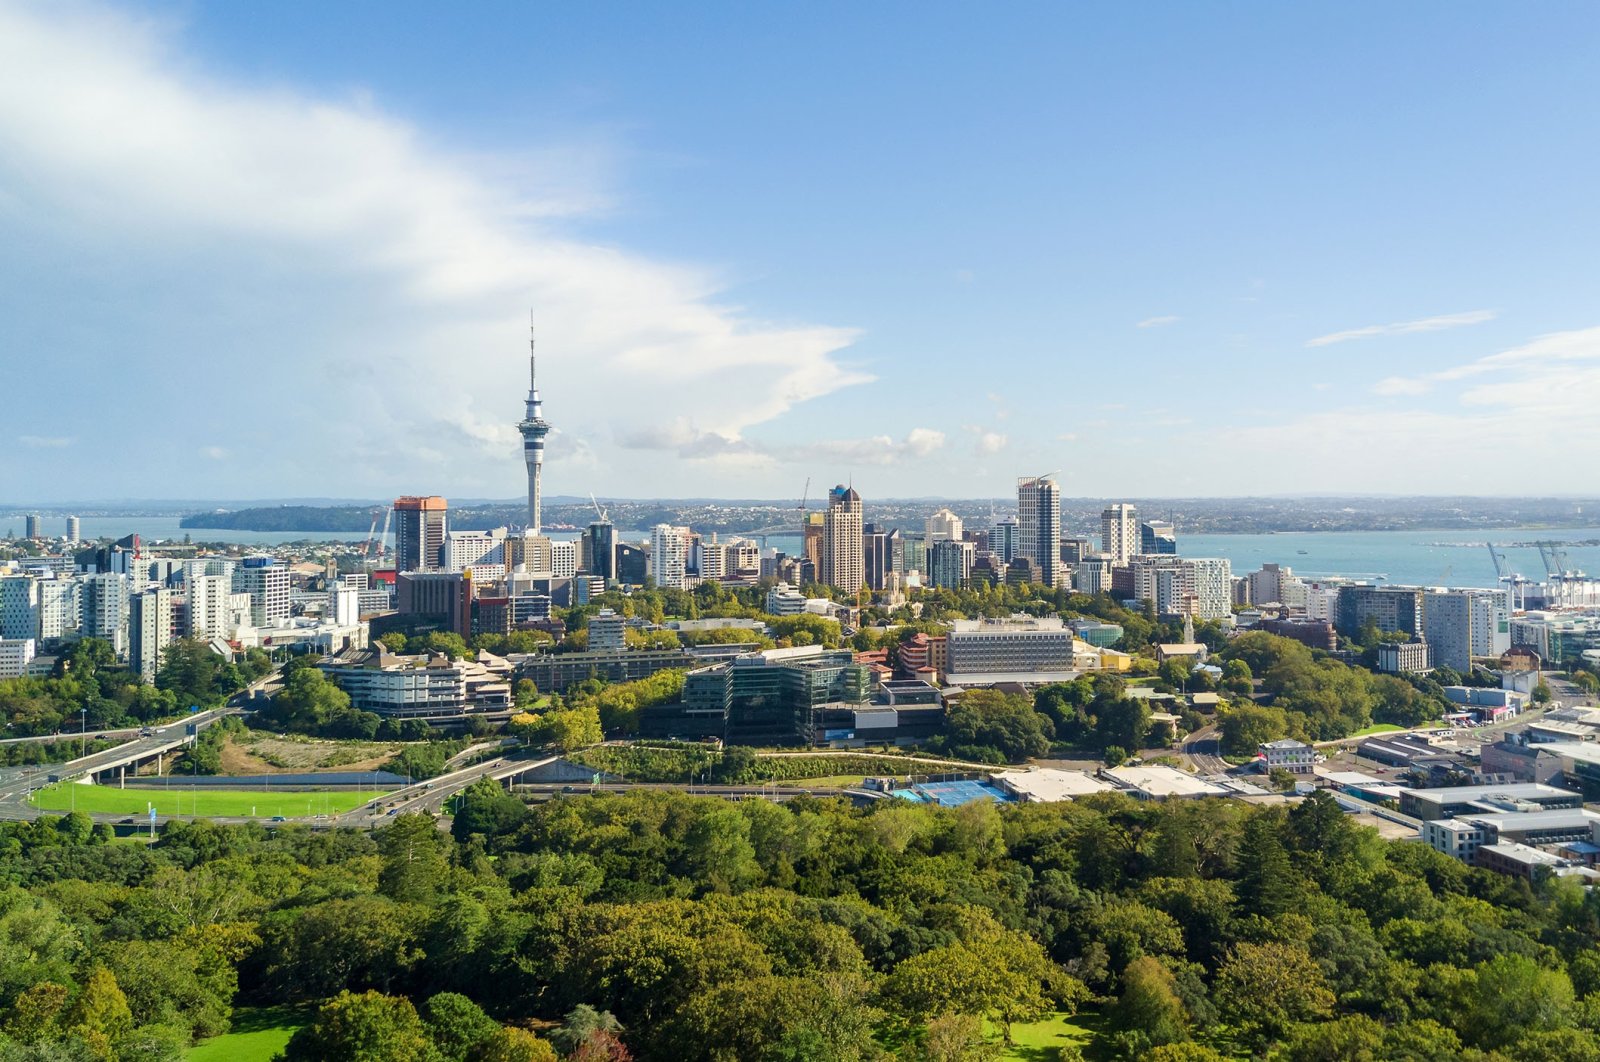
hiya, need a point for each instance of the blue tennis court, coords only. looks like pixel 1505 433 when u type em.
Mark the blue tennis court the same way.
pixel 951 794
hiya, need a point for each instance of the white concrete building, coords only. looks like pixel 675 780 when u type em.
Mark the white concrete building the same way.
pixel 1119 532
pixel 463 549
pixel 564 558
pixel 267 583
pixel 60 611
pixel 669 556
pixel 943 525
pixel 208 612
pixel 15 656
pixel 785 600
pixel 104 598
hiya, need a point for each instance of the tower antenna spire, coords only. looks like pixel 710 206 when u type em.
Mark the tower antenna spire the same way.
pixel 532 375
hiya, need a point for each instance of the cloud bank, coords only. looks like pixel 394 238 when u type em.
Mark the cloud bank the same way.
pixel 395 281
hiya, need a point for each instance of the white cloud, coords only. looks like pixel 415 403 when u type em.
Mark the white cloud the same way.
pixel 1402 328
pixel 1157 322
pixel 215 453
pixel 45 442
pixel 991 442
pixel 1561 361
pixel 1547 388
pixel 411 270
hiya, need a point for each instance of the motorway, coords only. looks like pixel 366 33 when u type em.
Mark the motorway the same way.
pixel 18 783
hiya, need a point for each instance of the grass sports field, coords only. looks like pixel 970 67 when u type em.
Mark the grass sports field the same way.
pixel 258 1034
pixel 262 803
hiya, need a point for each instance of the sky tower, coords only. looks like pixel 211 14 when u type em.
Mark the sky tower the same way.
pixel 533 429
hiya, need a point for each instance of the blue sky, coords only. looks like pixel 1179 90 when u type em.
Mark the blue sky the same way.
pixel 284 250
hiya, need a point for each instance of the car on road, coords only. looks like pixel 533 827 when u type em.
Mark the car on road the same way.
pixel 279 818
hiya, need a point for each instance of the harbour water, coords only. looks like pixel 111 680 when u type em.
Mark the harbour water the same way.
pixel 1429 558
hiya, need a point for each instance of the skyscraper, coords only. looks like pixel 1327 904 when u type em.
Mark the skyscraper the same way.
pixel 1003 539
pixel 1039 525
pixel 533 428
pixel 669 556
pixel 811 542
pixel 31 527
pixel 1119 532
pixel 1157 537
pixel 149 630
pixel 877 552
pixel 72 529
pixel 419 528
pixel 843 562
pixel 599 553
pixel 943 524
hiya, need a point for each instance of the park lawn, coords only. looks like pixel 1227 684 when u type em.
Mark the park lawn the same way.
pixel 1377 728
pixel 257 1035
pixel 1039 1041
pixel 262 803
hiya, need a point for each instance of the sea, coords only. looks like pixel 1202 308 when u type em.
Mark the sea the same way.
pixel 1426 558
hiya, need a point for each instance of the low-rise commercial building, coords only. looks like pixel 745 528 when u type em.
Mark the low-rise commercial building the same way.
pixel 1460 800
pixel 1287 754
pixel 420 687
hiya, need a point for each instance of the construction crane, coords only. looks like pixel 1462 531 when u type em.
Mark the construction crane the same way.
pixel 366 547
pixel 383 538
pixel 804 495
pixel 598 511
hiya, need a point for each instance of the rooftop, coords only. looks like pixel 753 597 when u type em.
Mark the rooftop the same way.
pixel 1161 781
pixel 1509 791
pixel 1048 784
pixel 1517 821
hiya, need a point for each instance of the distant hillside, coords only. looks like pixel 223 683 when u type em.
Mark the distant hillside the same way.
pixel 352 518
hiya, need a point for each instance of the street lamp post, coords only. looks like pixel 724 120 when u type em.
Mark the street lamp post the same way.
pixel 83 731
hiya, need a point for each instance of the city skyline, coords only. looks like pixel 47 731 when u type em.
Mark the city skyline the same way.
pixel 1096 241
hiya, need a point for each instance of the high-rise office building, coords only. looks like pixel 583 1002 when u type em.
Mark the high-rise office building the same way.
pixel 1119 533
pixel 444 597
pixel 73 529
pixel 669 556
pixel 877 547
pixel 419 533
pixel 1039 525
pixel 811 542
pixel 31 527
pixel 843 563
pixel 533 429
pixel 1003 539
pixel 943 524
pixel 949 563
pixel 1157 537
pixel 599 553
pixel 149 630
